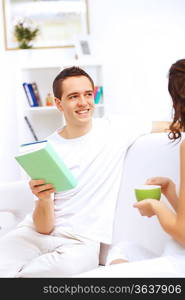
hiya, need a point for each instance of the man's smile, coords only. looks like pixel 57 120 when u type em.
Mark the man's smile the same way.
pixel 82 112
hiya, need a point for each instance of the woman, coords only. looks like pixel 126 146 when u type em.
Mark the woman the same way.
pixel 173 222
pixel 172 219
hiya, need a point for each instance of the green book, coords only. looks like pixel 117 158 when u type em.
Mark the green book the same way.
pixel 41 161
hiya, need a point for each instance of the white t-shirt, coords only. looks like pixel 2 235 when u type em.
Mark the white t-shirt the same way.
pixel 96 160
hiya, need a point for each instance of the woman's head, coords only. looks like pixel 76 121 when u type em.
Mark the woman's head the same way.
pixel 176 88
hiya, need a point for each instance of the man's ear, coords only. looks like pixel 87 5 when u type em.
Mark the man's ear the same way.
pixel 58 103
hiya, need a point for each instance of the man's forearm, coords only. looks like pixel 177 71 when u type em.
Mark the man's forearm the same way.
pixel 43 216
pixel 160 126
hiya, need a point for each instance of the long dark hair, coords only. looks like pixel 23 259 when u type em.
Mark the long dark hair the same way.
pixel 176 88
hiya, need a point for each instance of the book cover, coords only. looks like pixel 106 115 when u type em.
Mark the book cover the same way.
pixel 95 91
pixel 34 98
pixel 41 161
pixel 28 94
pixel 36 92
pixel 99 95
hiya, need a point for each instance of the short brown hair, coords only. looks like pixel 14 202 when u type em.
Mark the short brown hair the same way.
pixel 176 88
pixel 68 72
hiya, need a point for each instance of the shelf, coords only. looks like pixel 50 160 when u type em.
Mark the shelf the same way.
pixel 81 63
pixel 45 119
pixel 99 105
pixel 44 109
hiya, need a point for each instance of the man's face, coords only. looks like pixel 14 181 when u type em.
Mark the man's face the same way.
pixel 77 101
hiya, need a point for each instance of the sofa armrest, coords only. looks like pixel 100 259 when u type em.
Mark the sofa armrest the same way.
pixel 16 196
pixel 16 200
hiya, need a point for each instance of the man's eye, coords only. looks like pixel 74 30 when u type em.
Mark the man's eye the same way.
pixel 73 97
pixel 90 94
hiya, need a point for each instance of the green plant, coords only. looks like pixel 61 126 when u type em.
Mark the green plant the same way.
pixel 25 32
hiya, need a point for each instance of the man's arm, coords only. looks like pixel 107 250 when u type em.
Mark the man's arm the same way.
pixel 43 215
pixel 160 126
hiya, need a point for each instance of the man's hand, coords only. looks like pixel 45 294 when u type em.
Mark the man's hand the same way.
pixel 41 190
pixel 43 215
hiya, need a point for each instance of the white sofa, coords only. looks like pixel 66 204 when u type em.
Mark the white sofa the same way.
pixel 16 200
pixel 150 155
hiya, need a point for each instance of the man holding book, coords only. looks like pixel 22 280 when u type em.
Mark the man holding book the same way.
pixel 62 236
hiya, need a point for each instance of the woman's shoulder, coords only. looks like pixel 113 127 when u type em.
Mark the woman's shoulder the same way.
pixel 182 149
pixel 183 144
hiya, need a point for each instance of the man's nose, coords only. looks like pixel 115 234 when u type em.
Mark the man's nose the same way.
pixel 82 100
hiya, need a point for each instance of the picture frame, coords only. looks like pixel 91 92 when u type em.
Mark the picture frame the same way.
pixel 59 21
pixel 83 46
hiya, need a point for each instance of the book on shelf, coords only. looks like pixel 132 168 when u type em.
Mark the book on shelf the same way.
pixel 41 161
pixel 36 92
pixel 95 91
pixel 32 94
pixel 98 94
pixel 28 94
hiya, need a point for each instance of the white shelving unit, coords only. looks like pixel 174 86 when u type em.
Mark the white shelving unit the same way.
pixel 45 119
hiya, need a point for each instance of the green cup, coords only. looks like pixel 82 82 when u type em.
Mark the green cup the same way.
pixel 147 191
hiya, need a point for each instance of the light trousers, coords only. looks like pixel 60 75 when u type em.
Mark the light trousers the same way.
pixel 142 262
pixel 27 253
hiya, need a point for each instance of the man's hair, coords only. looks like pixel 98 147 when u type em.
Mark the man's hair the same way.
pixel 64 74
pixel 176 88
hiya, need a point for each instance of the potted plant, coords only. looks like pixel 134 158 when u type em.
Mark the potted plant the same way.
pixel 25 32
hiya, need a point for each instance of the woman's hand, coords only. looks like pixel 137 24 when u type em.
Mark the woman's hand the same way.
pixel 166 217
pixel 168 188
pixel 167 185
pixel 147 207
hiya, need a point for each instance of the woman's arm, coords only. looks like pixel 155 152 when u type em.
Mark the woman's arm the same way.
pixel 152 207
pixel 168 219
pixel 173 223
pixel 181 200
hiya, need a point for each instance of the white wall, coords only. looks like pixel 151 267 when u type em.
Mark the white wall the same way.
pixel 137 40
pixel 10 62
pixel 8 118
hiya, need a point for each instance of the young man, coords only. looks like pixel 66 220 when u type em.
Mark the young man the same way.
pixel 62 237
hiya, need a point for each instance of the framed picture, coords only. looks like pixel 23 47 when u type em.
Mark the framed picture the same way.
pixel 58 21
pixel 83 46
